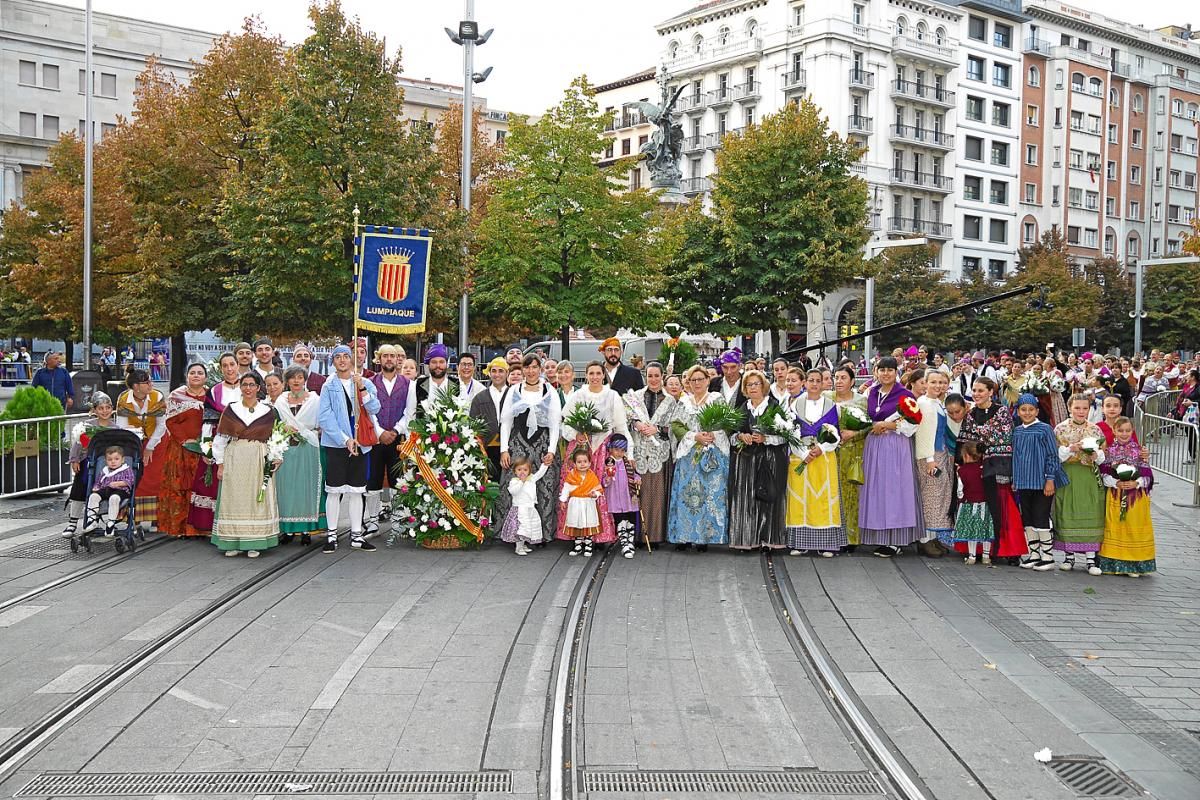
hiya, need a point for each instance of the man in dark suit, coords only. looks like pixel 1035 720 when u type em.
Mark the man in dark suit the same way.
pixel 729 383
pixel 486 408
pixel 620 377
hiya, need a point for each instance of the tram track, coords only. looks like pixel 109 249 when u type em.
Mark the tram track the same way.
pixel 33 737
pixel 91 568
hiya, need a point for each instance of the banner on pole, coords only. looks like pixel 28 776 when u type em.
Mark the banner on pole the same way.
pixel 391 278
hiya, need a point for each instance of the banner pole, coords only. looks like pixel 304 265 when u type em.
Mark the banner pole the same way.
pixel 357 297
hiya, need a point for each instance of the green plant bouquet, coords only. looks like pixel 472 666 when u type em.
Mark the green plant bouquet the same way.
pixel 713 417
pixel 584 418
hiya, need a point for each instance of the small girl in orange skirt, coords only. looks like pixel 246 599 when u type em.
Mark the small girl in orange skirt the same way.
pixel 580 492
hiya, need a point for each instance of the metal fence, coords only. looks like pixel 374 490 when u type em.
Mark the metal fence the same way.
pixel 1172 442
pixel 33 454
pixel 14 373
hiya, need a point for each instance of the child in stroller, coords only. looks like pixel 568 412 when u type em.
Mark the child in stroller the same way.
pixel 114 466
pixel 113 487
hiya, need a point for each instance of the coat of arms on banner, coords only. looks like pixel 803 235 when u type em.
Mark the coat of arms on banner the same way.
pixel 395 270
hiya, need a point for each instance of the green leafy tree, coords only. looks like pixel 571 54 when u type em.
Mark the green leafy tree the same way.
pixel 1172 313
pixel 337 140
pixel 907 285
pixel 787 226
pixel 1114 327
pixel 1074 300
pixel 561 246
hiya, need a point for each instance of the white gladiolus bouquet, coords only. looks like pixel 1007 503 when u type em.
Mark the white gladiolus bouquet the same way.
pixel 277 446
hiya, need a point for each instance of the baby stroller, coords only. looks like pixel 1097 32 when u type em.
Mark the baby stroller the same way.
pixel 126 529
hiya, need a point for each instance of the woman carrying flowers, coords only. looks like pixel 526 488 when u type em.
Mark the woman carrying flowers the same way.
pixel 935 466
pixel 205 484
pixel 1079 506
pixel 246 520
pixel 814 506
pixel 649 413
pixel 530 420
pixel 854 424
pixel 591 415
pixel 184 420
pixel 758 469
pixel 1128 547
pixel 699 511
pixel 991 425
pixel 889 513
pixel 301 480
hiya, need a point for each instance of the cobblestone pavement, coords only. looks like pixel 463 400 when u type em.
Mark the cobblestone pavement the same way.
pixel 1132 646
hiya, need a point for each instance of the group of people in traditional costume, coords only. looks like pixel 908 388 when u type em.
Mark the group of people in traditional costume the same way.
pixel 990 475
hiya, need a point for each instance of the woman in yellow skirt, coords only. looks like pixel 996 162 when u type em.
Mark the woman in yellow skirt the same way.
pixel 814 505
pixel 850 453
pixel 1128 546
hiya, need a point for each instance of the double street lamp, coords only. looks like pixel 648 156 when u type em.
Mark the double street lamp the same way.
pixel 1139 272
pixel 468 36
pixel 874 249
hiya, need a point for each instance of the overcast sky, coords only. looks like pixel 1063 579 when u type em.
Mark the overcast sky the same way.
pixel 539 45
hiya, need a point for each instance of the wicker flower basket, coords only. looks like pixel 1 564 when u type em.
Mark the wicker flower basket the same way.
pixel 446 542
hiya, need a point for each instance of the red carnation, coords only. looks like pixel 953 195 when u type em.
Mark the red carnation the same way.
pixel 909 409
pixel 433 437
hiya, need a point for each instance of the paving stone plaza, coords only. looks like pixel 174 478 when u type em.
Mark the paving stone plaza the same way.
pixel 422 673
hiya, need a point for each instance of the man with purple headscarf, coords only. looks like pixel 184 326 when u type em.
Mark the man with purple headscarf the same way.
pixel 729 383
pixel 438 381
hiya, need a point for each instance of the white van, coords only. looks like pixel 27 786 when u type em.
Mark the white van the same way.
pixel 585 350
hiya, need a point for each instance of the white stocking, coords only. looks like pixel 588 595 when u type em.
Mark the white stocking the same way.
pixel 333 505
pixel 355 511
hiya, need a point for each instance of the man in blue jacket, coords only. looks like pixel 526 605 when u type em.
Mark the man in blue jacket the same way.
pixel 55 379
pixel 346 460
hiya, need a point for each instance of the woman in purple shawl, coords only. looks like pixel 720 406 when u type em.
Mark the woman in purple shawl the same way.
pixel 889 510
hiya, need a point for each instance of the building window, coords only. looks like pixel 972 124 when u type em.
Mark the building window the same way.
pixel 1002 36
pixel 1077 81
pixel 1075 197
pixel 1112 134
pixel 975 108
pixel 749 116
pixel 1035 77
pixel 973 149
pixel 972 228
pixel 626 146
pixel 1055 195
pixel 1030 193
pixel 502 135
pixel 28 124
pixel 1000 154
pixel 1031 154
pixel 996 269
pixel 977 28
pixel 1110 242
pixel 108 84
pixel 975 67
pixel 970 265
pixel 1031 116
pixel 1114 98
pixel 27 73
pixel 1028 232
pixel 1000 114
pixel 1092 201
pixel 635 178
pixel 1135 174
pixel 1002 75
pixel 1132 248
pixel 109 127
pixel 49 127
pixel 859 13
pixel 1110 171
pixel 972 187
pixel 999 193
pixel 608 149
pixel 697 43
pixel 1135 210
pixel 798 16
pixel 723 35
pixel 1095 87
pixel 1135 137
pixel 1090 237
pixel 50 76
pixel 901 26
pixel 1058 79
pixel 1073 232
pixel 1077 120
pixel 998 231
pixel 1138 104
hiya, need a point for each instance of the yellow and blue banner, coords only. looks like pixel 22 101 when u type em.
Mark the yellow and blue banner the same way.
pixel 391 283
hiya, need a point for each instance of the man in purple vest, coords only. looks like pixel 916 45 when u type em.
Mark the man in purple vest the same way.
pixel 397 405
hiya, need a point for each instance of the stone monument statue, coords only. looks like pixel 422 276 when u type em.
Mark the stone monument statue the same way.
pixel 665 147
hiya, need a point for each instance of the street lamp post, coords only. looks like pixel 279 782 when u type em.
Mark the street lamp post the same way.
pixel 467 36
pixel 874 249
pixel 1139 274
pixel 88 141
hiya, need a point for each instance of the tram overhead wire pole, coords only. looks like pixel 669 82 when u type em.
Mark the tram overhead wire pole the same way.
pixel 89 139
pixel 468 37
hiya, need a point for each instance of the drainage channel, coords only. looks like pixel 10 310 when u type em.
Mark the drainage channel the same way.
pixel 255 783
pixel 789 782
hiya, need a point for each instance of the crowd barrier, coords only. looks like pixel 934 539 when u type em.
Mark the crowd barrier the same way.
pixel 15 374
pixel 1172 442
pixel 33 454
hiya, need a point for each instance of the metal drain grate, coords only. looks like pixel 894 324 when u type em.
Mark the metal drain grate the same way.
pixel 1090 778
pixel 729 782
pixel 288 783
pixel 56 548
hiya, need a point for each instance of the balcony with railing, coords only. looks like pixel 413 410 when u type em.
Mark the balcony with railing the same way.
pixel 712 141
pixel 687 59
pixel 795 80
pixel 860 124
pixel 631 119
pixel 693 144
pixel 925 227
pixel 861 79
pixel 922 92
pixel 610 124
pixel 693 101
pixel 922 136
pixel 721 96
pixel 695 185
pixel 930 181
pixel 1039 46
pixel 750 90
pixel 924 50
pixel 1081 56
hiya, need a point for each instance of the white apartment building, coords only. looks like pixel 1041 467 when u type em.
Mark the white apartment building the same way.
pixel 42 76
pixel 627 127
pixel 426 100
